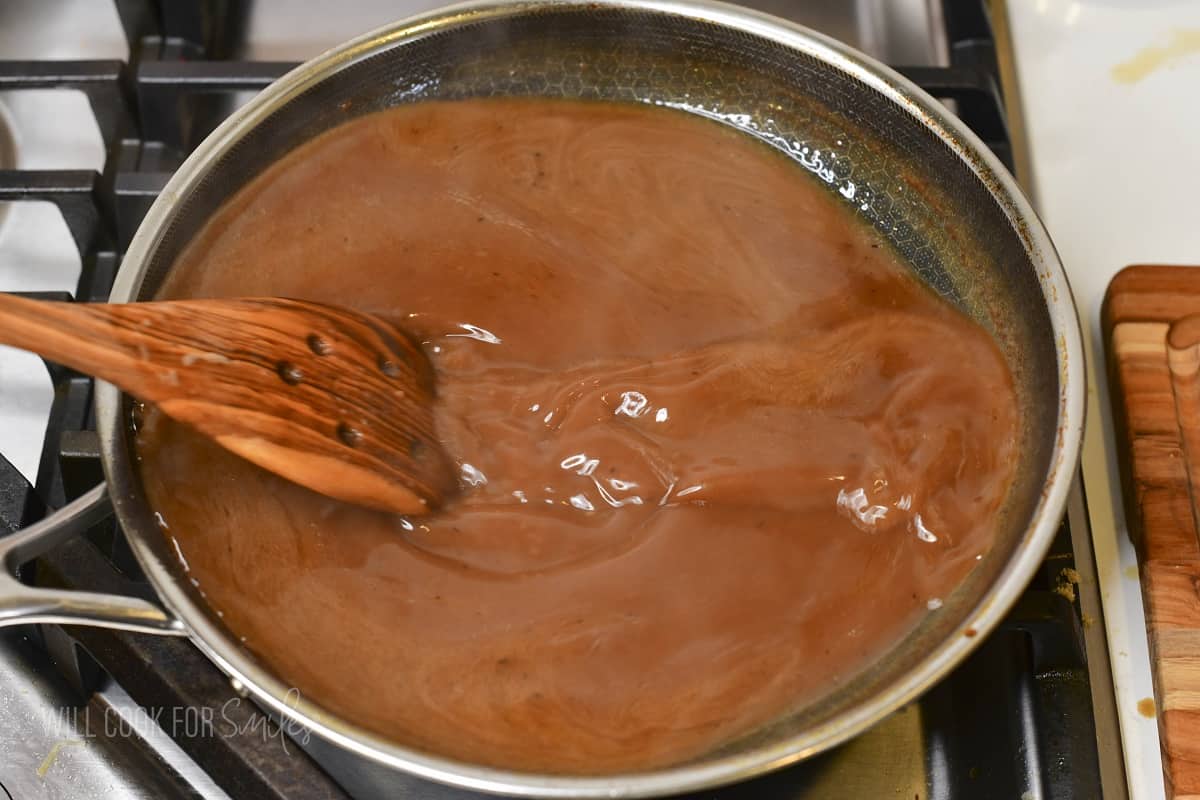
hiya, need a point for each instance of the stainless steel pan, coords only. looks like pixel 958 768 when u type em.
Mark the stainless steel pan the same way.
pixel 905 164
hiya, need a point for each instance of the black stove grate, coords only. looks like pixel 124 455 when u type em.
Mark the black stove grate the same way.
pixel 1015 720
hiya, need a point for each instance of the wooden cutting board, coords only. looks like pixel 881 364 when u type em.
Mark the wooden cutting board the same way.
pixel 1151 323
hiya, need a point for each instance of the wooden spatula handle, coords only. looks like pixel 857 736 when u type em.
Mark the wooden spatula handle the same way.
pixel 95 339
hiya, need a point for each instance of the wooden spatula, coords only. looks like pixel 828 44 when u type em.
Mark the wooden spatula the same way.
pixel 333 399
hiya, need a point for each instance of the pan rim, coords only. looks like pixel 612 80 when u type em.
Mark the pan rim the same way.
pixel 244 669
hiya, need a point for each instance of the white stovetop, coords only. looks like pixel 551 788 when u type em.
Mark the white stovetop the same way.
pixel 43 129
pixel 1110 91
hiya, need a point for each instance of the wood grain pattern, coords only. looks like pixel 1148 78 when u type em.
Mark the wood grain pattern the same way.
pixel 1183 359
pixel 335 400
pixel 1151 323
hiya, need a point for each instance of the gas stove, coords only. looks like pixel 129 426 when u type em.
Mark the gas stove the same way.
pixel 100 100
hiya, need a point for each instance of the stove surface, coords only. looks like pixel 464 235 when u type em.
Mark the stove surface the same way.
pixel 91 140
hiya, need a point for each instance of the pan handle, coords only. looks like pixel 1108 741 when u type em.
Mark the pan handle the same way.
pixel 22 604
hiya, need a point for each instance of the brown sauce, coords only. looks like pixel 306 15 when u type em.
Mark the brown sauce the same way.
pixel 725 449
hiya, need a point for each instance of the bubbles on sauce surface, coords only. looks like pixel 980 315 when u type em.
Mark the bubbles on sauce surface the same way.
pixel 633 404
pixel 855 506
pixel 858 509
pixel 581 502
pixel 923 533
pixel 477 333
pixel 472 476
